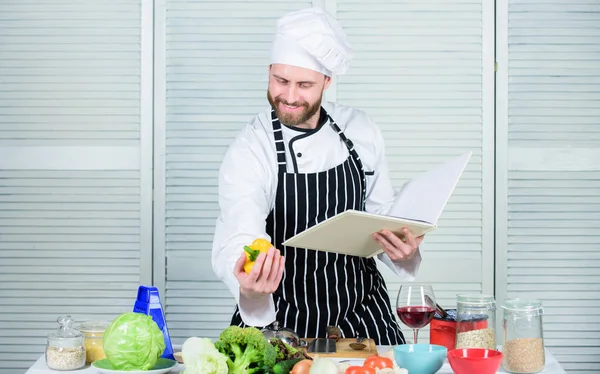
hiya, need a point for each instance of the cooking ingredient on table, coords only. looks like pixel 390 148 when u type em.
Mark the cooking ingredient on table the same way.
pixel 284 367
pixel 201 357
pixel 360 370
pixel 379 362
pixel 443 329
pixel 373 365
pixel 285 351
pixel 247 350
pixel 524 355
pixel 324 365
pixel 65 358
pixel 65 349
pixel 302 367
pixel 480 338
pixel 475 321
pixel 523 338
pixel 133 341
pixel 259 245
pixel 93 332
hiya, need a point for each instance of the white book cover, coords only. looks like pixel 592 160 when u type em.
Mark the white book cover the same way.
pixel 418 206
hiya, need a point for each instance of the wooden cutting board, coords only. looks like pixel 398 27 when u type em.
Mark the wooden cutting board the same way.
pixel 343 349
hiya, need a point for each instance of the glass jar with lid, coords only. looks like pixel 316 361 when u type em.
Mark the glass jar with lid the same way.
pixel 475 321
pixel 93 332
pixel 65 349
pixel 523 342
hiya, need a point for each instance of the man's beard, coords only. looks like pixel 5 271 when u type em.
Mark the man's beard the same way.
pixel 301 116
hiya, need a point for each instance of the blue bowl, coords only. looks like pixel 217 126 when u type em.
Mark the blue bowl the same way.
pixel 420 358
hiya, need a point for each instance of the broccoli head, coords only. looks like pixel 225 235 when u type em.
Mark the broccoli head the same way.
pixel 247 349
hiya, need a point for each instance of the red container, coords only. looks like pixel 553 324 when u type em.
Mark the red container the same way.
pixel 442 331
pixel 474 360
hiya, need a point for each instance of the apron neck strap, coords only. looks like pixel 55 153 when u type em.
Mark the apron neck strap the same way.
pixel 280 147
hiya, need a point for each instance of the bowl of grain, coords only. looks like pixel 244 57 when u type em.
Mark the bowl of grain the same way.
pixel 474 360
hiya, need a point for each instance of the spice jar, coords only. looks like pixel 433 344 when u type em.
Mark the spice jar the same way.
pixel 523 343
pixel 93 332
pixel 65 350
pixel 475 321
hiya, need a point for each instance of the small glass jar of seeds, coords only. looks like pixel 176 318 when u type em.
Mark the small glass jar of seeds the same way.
pixel 475 321
pixel 65 349
pixel 523 343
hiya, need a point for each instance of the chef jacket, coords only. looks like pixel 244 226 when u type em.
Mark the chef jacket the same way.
pixel 248 182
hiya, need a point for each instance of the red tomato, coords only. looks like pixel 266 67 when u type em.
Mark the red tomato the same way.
pixel 379 362
pixel 360 370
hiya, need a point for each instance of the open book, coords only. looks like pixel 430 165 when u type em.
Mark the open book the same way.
pixel 417 207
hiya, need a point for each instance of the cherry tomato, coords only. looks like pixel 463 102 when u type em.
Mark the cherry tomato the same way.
pixel 360 370
pixel 379 362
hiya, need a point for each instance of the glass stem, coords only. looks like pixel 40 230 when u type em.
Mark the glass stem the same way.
pixel 416 332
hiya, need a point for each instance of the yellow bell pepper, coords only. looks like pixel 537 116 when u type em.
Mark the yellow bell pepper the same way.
pixel 252 252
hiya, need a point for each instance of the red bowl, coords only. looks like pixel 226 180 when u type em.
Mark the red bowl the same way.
pixel 474 360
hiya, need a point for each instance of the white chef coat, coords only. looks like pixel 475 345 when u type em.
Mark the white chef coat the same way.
pixel 248 183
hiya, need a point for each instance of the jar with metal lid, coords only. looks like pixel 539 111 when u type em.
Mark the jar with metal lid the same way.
pixel 475 321
pixel 65 349
pixel 93 332
pixel 523 343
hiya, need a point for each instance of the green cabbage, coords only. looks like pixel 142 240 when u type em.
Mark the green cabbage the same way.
pixel 133 341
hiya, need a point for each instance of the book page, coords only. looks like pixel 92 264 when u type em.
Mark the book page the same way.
pixel 424 197
pixel 350 232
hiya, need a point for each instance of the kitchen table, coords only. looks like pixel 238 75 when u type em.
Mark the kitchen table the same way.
pixel 39 367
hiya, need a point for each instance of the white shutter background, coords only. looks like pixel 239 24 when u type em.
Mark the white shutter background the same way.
pixel 70 191
pixel 554 171
pixel 216 61
pixel 74 189
pixel 419 72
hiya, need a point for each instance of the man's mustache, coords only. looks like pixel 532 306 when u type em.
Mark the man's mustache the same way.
pixel 296 103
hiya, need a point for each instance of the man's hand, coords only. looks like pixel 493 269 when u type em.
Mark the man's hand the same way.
pixel 265 275
pixel 398 248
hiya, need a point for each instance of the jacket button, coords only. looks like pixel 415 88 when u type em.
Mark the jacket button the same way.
pixel 299 154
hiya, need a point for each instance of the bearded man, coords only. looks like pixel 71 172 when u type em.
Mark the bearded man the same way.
pixel 295 164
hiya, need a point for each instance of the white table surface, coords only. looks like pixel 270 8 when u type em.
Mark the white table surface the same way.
pixel 39 367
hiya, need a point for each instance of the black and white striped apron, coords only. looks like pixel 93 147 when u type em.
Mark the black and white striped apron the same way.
pixel 320 288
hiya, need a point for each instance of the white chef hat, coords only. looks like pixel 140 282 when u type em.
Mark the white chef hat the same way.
pixel 312 39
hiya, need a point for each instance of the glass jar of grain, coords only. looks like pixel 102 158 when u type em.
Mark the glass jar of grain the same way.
pixel 475 321
pixel 65 350
pixel 523 343
pixel 93 332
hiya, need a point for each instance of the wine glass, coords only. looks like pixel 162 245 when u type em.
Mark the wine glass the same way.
pixel 415 306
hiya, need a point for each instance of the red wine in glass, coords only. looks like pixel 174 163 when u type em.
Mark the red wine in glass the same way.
pixel 415 317
pixel 415 306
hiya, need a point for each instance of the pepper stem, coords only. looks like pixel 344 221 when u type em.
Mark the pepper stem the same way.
pixel 253 253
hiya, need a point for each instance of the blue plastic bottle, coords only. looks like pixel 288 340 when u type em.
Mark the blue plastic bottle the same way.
pixel 148 303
